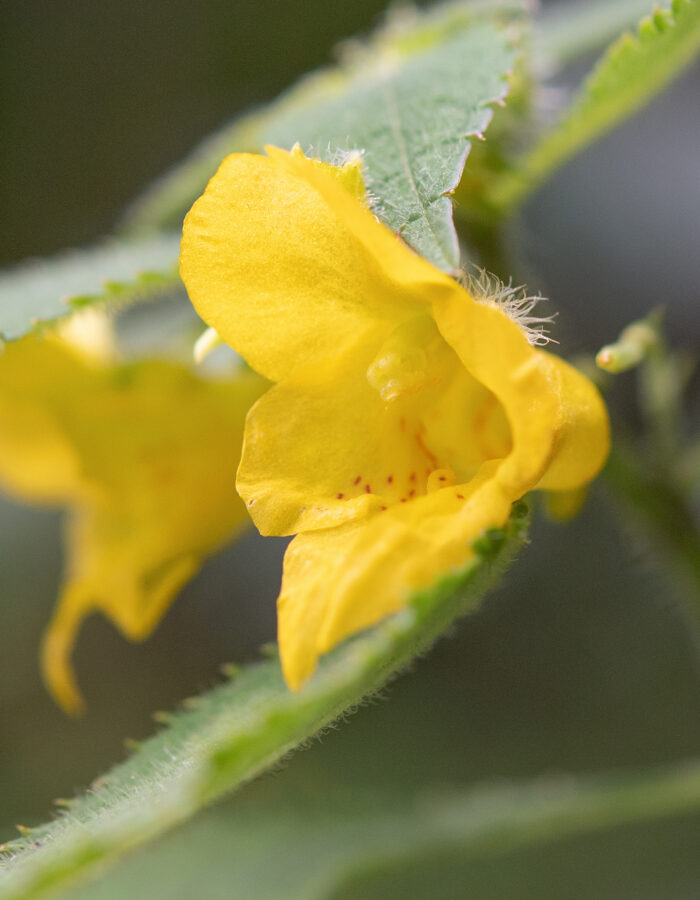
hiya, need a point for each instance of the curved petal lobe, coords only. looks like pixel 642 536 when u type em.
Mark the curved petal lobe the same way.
pixel 339 581
pixel 289 267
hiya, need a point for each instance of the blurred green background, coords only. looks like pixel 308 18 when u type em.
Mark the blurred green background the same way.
pixel 583 661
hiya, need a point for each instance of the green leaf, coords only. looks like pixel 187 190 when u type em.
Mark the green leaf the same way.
pixel 565 32
pixel 302 845
pixel 411 101
pixel 413 121
pixel 635 69
pixel 229 735
pixel 41 291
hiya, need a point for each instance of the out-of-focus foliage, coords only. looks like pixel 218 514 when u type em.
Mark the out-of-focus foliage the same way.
pixel 345 842
pixel 632 71
pixel 238 730
pixel 39 292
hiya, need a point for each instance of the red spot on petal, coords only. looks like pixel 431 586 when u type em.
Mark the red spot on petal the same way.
pixel 442 478
pixel 412 493
pixel 358 479
pixel 339 496
pixel 412 476
pixel 383 508
pixel 368 489
pixel 403 500
pixel 389 479
pixel 460 496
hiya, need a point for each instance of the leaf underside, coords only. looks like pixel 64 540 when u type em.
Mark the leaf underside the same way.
pixel 413 122
pixel 228 736
pixel 40 292
pixel 411 103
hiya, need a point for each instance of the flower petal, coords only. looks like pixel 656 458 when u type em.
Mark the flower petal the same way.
pixel 151 488
pixel 117 578
pixel 583 430
pixel 339 581
pixel 314 446
pixel 289 267
pixel 37 460
pixel 323 448
pixel 558 421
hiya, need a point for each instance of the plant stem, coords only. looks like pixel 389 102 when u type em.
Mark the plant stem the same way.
pixel 662 509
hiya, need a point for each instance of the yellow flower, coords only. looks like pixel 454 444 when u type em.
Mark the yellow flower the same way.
pixel 406 417
pixel 144 456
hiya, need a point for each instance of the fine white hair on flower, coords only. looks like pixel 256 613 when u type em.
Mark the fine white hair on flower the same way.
pixel 339 156
pixel 513 300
